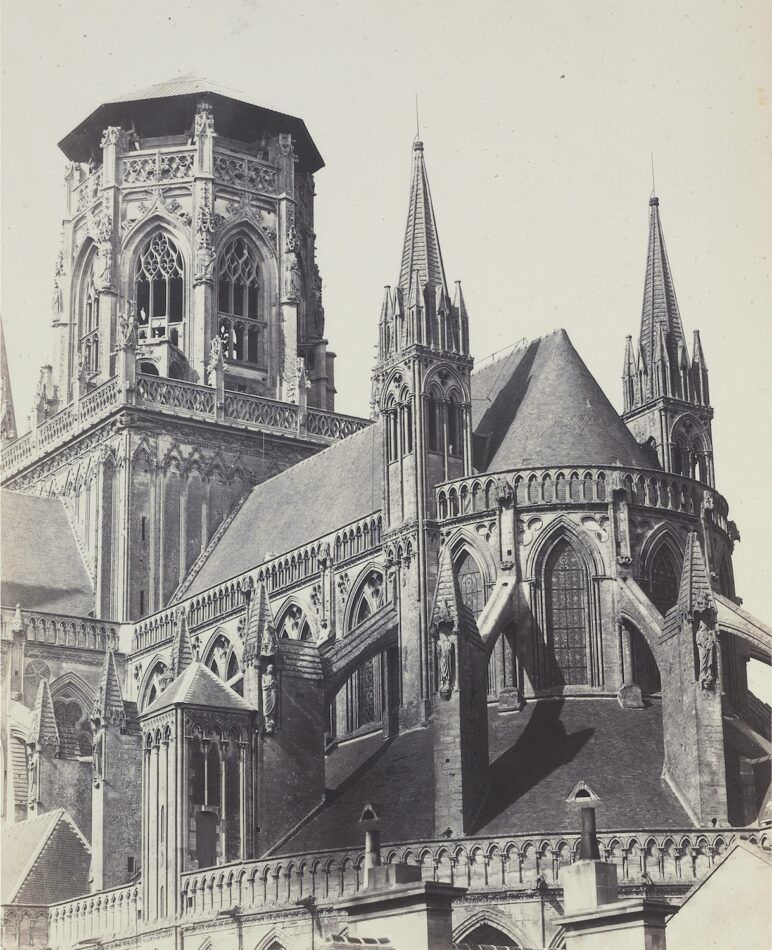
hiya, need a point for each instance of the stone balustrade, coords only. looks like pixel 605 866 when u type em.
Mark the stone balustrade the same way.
pixel 581 486
pixel 64 630
pixel 151 166
pixel 177 398
pixel 518 863
pixel 117 911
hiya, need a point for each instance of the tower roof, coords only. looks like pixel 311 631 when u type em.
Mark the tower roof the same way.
pixel 421 252
pixel 168 107
pixel 198 686
pixel 7 414
pixel 541 406
pixel 660 306
pixel 108 705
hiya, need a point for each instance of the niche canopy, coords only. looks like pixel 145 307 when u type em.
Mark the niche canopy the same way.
pixel 167 108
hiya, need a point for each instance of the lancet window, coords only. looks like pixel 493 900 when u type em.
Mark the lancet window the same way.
pixel 89 327
pixel 567 616
pixel 470 582
pixel 238 302
pixel 159 289
pixel 444 423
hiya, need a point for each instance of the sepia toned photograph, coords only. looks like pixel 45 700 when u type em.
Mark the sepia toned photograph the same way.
pixel 385 452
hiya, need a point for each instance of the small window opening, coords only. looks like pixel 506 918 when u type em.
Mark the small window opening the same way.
pixel 130 864
pixel 368 813
pixel 582 793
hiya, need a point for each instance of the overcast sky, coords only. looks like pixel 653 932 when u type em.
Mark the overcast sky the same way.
pixel 539 121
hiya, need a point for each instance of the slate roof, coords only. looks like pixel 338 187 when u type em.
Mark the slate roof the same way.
pixel 168 107
pixel 307 501
pixel 537 757
pixel 541 406
pixel 34 853
pixel 198 686
pixel 42 568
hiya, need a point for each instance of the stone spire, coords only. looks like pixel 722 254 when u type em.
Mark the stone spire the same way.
pixel 182 653
pixel 7 415
pixel 260 637
pixel 108 706
pixel 660 306
pixel 44 731
pixel 695 594
pixel 421 254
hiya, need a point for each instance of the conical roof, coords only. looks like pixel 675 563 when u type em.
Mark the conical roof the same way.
pixel 421 255
pixel 541 406
pixel 660 306
pixel 198 686
pixel 108 705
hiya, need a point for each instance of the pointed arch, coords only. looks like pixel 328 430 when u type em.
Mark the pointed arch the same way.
pixel 495 921
pixel 659 564
pixel 151 683
pixel 297 621
pixel 580 539
pixel 72 684
pixel 368 594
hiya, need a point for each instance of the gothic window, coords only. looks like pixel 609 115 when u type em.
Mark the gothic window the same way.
pixel 470 582
pixel 34 672
pixel 433 424
pixel 566 601
pixel 406 416
pixel 664 580
pixel 368 600
pixel 455 428
pixel 154 686
pixel 295 625
pixel 73 725
pixel 221 659
pixel 89 327
pixel 159 289
pixel 238 298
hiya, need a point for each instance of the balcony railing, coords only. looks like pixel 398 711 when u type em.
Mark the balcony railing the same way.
pixel 178 398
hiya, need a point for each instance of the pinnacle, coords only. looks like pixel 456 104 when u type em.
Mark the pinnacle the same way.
pixel 108 705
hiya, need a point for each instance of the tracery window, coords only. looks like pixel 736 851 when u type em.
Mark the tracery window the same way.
pixel 566 601
pixel 73 726
pixel 238 296
pixel 295 625
pixel 470 582
pixel 154 686
pixel 159 289
pixel 368 600
pixel 664 581
pixel 221 659
pixel 89 327
pixel 34 672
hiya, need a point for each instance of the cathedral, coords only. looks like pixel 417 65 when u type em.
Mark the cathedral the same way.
pixel 277 678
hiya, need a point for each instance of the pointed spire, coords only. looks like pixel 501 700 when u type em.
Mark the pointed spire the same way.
pixel 108 706
pixel 260 639
pixel 660 306
pixel 8 430
pixel 695 593
pixel 699 372
pixel 421 252
pixel 182 653
pixel 44 731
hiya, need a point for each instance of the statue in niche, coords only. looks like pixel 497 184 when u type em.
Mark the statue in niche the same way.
pixel 216 359
pixel 446 662
pixel 706 653
pixel 270 689
pixel 127 329
pixel 269 645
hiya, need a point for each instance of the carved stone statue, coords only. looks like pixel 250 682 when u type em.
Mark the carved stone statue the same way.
pixel 292 279
pixel 706 651
pixel 269 645
pixel 204 273
pixel 127 329
pixel 270 698
pixel 204 123
pixel 216 359
pixel 446 662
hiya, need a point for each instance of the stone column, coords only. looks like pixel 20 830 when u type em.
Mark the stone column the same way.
pixel 202 309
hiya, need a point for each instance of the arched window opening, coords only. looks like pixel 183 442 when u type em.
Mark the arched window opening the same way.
pixel 148 368
pixel 406 415
pixel 566 601
pixel 159 289
pixel 295 625
pixel 89 326
pixel 72 722
pixel 645 669
pixel 221 658
pixel 486 934
pixel 455 428
pixel 470 582
pixel 238 295
pixel 368 599
pixel 664 580
pixel 433 426
pixel 154 685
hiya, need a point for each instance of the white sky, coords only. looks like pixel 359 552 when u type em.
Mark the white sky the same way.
pixel 539 121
